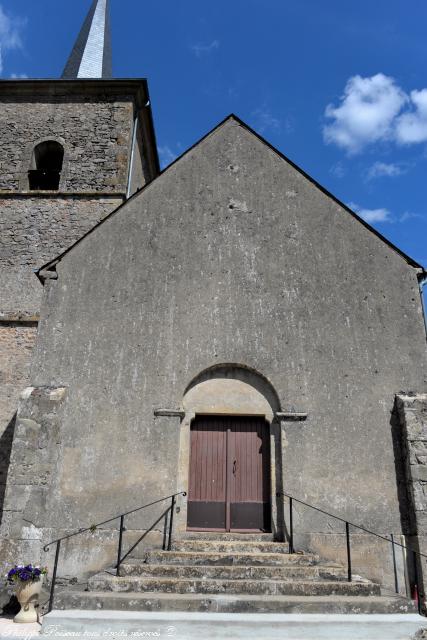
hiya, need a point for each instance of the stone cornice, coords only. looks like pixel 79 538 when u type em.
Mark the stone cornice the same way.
pixel 62 194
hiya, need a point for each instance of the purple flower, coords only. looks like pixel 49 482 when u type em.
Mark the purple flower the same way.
pixel 25 573
pixel 24 576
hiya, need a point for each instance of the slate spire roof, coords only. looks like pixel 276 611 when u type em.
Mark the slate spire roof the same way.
pixel 91 55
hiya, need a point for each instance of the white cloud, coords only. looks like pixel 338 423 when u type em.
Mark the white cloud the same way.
pixel 18 76
pixel 10 34
pixel 380 169
pixel 338 170
pixel 366 112
pixel 166 155
pixel 411 127
pixel 202 49
pixel 408 215
pixel 266 121
pixel 372 215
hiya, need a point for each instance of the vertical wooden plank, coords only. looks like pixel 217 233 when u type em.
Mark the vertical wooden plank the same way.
pixel 228 480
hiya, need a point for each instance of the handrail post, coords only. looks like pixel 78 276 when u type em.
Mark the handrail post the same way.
pixel 55 568
pixel 171 523
pixel 347 535
pixel 396 579
pixel 291 526
pixel 416 585
pixel 119 550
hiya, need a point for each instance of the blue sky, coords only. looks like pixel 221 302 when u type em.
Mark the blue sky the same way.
pixel 338 86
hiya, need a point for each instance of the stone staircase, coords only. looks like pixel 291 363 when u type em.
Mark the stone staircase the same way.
pixel 231 574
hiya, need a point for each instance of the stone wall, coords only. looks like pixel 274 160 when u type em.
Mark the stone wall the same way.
pixel 95 132
pixel 35 229
pixel 16 344
pixel 412 409
pixel 93 120
pixel 32 467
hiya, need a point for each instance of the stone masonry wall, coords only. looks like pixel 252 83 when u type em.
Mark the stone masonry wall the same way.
pixel 35 230
pixel 412 411
pixel 32 465
pixel 16 344
pixel 95 132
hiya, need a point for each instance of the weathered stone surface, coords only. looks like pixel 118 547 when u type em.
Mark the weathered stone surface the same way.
pixel 94 131
pixel 419 472
pixel 230 572
pixel 231 257
pixel 16 344
pixel 32 462
pixel 413 419
pixel 208 558
pixel 220 603
pixel 181 279
pixel 94 123
pixel 35 230
pixel 136 584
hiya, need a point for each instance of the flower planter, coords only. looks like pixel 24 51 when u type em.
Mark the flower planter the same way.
pixel 28 594
pixel 28 582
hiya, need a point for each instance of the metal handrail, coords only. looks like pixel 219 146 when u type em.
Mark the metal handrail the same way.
pixel 349 524
pixel 120 516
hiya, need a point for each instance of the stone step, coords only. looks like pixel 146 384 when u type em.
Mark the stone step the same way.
pixel 230 546
pixel 215 536
pixel 221 558
pixel 137 584
pixel 239 626
pixel 230 572
pixel 168 602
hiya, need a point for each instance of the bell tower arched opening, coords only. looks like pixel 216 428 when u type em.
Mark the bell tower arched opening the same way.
pixel 46 166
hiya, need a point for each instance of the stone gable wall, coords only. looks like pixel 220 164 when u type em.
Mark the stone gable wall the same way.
pixel 232 256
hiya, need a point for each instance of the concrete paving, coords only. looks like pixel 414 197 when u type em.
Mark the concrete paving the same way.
pixel 207 626
pixel 10 630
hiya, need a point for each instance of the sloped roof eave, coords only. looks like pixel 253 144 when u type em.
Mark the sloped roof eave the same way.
pixel 52 263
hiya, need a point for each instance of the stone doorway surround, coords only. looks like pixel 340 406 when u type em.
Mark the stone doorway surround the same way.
pixel 231 390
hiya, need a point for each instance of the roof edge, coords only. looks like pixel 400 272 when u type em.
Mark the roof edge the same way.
pixel 52 86
pixel 233 117
pixel 407 258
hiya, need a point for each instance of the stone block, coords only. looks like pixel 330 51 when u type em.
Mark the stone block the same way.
pixel 419 472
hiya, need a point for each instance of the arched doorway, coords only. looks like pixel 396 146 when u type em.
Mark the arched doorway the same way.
pixel 231 450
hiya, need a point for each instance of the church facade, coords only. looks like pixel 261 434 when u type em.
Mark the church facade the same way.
pixel 226 330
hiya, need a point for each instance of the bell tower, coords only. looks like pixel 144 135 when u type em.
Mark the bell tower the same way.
pixel 72 150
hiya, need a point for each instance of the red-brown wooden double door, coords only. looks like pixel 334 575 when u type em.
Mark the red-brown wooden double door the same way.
pixel 229 483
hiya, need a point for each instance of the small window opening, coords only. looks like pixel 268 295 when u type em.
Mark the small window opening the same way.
pixel 45 173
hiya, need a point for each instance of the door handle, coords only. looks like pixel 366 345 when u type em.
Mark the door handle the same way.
pixel 234 467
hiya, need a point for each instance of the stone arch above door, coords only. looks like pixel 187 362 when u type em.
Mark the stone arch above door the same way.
pixel 228 389
pixel 231 389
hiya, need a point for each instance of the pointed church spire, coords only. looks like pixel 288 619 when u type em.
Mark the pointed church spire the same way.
pixel 91 55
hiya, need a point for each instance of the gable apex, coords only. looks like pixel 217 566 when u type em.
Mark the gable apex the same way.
pixel 231 120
